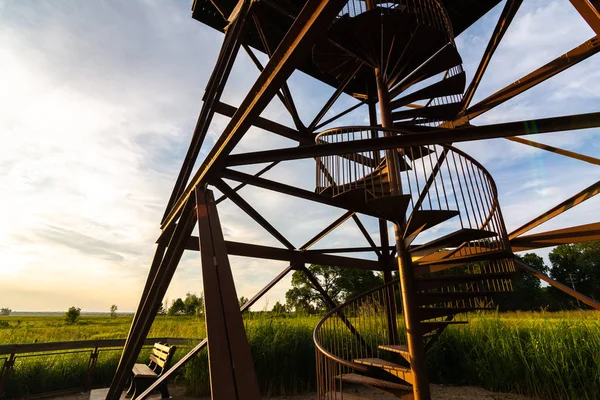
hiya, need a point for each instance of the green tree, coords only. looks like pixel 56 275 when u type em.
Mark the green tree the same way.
pixel 340 284
pixel 279 308
pixel 113 311
pixel 162 310
pixel 528 292
pixel 242 300
pixel 5 311
pixel 177 307
pixel 575 264
pixel 193 305
pixel 72 314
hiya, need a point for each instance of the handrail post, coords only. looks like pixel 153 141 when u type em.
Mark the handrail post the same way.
pixel 7 368
pixel 87 384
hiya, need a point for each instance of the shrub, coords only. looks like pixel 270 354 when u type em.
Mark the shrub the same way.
pixel 72 314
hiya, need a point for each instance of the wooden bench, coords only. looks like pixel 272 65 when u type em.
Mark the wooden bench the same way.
pixel 142 375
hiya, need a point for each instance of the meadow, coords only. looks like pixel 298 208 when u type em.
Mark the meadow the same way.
pixel 540 354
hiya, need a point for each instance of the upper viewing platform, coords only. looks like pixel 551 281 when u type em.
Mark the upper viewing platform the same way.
pixel 434 25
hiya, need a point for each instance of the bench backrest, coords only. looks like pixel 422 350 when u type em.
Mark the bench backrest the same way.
pixel 160 357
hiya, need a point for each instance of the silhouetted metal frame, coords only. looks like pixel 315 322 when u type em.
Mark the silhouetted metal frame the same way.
pixel 314 19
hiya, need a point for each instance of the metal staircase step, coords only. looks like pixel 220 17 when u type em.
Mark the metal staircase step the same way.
pixel 374 382
pixel 391 207
pixel 426 313
pixel 428 267
pixel 439 281
pixel 415 152
pixel 397 348
pixel 446 87
pixel 442 112
pixel 443 60
pixel 399 371
pixel 427 327
pixel 423 299
pixel 421 220
pixel 453 239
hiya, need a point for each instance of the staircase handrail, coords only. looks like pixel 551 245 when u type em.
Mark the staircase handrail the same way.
pixel 336 310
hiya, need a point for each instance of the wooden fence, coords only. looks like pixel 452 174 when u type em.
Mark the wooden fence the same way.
pixel 10 352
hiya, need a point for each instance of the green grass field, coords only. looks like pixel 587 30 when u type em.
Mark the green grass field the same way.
pixel 550 355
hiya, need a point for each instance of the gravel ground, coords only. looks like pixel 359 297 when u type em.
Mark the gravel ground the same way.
pixel 439 392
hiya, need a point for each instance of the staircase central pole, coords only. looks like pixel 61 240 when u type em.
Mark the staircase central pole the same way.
pixel 416 348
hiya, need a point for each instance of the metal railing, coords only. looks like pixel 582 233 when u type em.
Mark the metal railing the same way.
pixel 427 12
pixel 13 352
pixel 433 177
pixel 373 320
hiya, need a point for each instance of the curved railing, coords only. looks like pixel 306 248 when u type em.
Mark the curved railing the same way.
pixel 427 12
pixel 373 320
pixel 432 177
pixel 436 177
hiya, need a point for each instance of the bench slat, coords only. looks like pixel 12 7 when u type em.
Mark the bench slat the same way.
pixel 162 347
pixel 157 361
pixel 143 370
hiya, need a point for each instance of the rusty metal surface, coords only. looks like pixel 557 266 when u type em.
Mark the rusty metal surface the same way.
pixel 287 33
pixel 433 136
pixel 575 234
pixel 231 368
pixel 571 202
pixel 589 12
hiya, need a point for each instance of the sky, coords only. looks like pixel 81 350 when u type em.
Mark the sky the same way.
pixel 99 101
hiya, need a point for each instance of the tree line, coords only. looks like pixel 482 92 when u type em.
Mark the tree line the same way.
pixel 575 265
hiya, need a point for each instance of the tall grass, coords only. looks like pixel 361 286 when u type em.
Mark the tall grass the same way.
pixel 548 355
pixel 545 356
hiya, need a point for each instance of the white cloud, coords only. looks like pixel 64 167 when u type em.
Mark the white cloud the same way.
pixel 99 102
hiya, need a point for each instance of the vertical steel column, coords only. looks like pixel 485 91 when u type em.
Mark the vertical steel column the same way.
pixel 232 374
pixel 384 259
pixel 416 348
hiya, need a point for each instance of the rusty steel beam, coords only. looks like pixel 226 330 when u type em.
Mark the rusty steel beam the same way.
pixel 549 70
pixel 252 213
pixel 508 13
pixel 556 150
pixel 571 202
pixel 340 115
pixel 365 249
pixel 214 89
pixel 313 20
pixel 334 97
pixel 575 234
pixel 581 297
pixel 279 187
pixel 292 256
pixel 241 185
pixel 280 94
pixel 331 303
pixel 330 228
pixel 365 233
pixel 267 125
pixel 589 12
pixel 232 374
pixel 434 136
pixel 286 95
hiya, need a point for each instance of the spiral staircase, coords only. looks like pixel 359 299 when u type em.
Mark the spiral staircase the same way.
pixel 443 202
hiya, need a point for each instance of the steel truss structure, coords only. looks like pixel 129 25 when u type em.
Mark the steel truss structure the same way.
pixel 399 56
